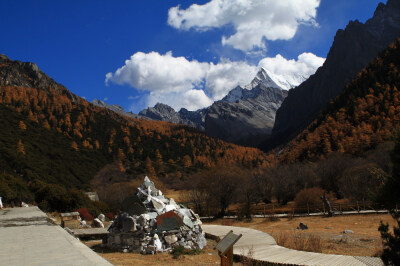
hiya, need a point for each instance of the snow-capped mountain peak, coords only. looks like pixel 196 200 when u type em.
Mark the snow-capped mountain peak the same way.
pixel 234 95
pixel 271 80
pixel 268 80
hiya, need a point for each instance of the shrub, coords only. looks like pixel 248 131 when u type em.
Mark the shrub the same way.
pixel 14 190
pixel 85 215
pixel 311 197
pixel 110 216
pixel 179 251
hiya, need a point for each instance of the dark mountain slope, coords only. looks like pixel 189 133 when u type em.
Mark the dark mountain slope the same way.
pixel 366 113
pixel 351 50
pixel 61 126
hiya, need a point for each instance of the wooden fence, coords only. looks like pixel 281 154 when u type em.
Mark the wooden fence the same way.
pixel 338 208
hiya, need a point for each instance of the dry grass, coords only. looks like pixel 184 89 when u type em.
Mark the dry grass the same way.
pixel 299 241
pixel 209 256
pixel 328 232
pixel 175 194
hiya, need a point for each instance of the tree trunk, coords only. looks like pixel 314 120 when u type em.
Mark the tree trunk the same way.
pixel 327 205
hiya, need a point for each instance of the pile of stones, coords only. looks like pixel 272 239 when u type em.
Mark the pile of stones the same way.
pixel 150 222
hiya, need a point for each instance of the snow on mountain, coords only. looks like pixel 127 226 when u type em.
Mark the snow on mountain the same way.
pixel 268 80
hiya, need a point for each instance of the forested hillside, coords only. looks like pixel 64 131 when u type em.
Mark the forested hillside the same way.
pixel 52 136
pixel 366 113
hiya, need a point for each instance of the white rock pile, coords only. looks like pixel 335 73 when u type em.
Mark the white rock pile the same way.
pixel 150 222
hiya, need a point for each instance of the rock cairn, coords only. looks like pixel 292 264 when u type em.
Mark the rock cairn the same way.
pixel 150 222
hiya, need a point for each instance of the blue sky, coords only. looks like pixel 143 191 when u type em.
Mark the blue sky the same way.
pixel 180 60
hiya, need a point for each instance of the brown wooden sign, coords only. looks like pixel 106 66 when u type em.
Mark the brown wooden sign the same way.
pixel 225 248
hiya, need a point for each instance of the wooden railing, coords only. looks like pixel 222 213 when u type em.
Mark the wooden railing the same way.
pixel 338 208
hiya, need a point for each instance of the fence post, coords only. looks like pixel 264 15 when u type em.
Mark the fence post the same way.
pixel 308 209
pixel 340 208
pixel 358 207
pixel 323 208
pixel 264 211
pixel 364 204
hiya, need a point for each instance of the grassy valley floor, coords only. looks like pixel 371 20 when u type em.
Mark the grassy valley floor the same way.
pixel 209 256
pixel 325 234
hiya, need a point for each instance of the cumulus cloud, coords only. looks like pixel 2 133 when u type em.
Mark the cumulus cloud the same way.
pixel 179 82
pixel 305 65
pixel 192 99
pixel 149 71
pixel 224 76
pixel 253 20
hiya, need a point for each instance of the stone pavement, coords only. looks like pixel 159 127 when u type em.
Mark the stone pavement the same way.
pixel 28 237
pixel 261 246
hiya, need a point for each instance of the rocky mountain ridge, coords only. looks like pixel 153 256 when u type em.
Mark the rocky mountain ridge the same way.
pixel 118 109
pixel 28 75
pixel 249 119
pixel 351 50
pixel 245 112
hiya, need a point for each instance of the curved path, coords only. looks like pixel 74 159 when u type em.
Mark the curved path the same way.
pixel 261 246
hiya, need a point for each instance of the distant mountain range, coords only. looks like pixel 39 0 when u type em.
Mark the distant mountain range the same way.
pixel 244 116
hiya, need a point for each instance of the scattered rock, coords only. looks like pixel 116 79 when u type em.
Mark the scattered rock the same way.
pixel 101 217
pixel 302 226
pixel 347 231
pixel 97 223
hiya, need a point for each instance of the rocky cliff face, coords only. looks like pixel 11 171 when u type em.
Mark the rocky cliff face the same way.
pixel 249 119
pixel 28 75
pixel 245 116
pixel 352 49
pixel 163 112
pixel 118 109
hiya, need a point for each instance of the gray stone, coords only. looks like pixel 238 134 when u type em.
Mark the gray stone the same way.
pixel 97 223
pixel 170 239
pixel 169 221
pixel 141 220
pixel 302 226
pixel 117 239
pixel 129 225
pixel 187 221
pixel 101 217
pixel 347 231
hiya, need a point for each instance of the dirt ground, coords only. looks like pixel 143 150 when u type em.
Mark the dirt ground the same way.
pixel 365 241
pixel 209 256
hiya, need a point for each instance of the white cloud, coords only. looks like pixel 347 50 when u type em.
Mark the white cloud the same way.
pixel 149 71
pixel 224 76
pixel 253 20
pixel 305 65
pixel 179 82
pixel 192 99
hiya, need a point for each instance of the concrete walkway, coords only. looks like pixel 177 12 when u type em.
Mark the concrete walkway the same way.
pixel 261 246
pixel 27 237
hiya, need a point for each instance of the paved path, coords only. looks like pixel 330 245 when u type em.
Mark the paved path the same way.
pixel 263 247
pixel 27 237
